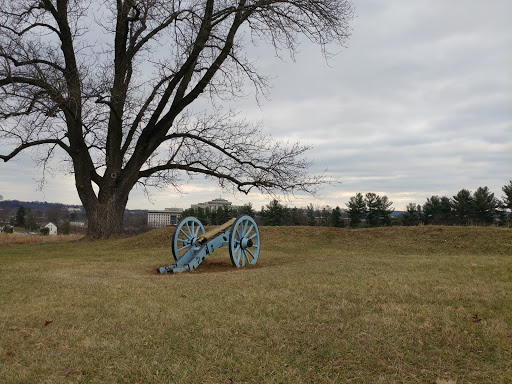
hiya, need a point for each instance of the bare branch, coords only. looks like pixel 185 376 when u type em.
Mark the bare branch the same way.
pixel 32 62
pixel 118 99
pixel 23 146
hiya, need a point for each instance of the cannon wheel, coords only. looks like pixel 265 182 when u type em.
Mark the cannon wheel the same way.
pixel 244 242
pixel 185 235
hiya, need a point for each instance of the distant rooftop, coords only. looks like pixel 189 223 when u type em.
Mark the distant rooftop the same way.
pixel 175 210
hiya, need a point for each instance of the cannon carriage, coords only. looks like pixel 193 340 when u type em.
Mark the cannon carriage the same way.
pixel 191 244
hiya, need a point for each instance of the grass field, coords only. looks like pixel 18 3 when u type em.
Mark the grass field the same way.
pixel 323 305
pixel 22 239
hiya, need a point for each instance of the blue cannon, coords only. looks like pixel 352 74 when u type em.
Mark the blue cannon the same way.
pixel 191 244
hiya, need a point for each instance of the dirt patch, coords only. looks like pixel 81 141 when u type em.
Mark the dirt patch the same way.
pixel 213 266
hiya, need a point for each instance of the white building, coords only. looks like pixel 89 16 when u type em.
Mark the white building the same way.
pixel 52 228
pixel 160 219
pixel 213 204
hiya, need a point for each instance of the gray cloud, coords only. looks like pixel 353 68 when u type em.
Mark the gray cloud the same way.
pixel 420 103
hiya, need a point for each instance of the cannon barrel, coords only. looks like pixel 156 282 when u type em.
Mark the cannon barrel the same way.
pixel 216 231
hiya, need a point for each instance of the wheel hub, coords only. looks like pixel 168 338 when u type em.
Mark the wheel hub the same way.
pixel 246 243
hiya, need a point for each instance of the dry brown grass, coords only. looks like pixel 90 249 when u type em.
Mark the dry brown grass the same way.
pixel 9 239
pixel 390 305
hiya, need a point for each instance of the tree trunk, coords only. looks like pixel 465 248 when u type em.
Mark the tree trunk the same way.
pixel 105 219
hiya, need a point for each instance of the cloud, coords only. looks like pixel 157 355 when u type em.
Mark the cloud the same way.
pixel 20 180
pixel 419 104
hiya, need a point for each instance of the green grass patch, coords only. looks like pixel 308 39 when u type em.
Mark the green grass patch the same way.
pixel 323 305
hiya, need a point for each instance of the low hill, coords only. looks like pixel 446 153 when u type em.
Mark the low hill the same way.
pixel 397 239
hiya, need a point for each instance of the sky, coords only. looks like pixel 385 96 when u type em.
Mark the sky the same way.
pixel 418 104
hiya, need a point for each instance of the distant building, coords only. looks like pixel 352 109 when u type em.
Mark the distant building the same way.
pixel 214 204
pixel 52 228
pixel 160 219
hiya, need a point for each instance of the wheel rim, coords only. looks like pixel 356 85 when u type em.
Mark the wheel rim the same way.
pixel 244 242
pixel 188 230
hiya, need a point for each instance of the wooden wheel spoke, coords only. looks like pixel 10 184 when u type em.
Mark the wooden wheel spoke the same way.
pixel 244 256
pixel 188 229
pixel 249 231
pixel 244 232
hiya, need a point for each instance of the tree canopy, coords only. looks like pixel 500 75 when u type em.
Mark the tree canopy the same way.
pixel 356 209
pixel 111 86
pixel 507 199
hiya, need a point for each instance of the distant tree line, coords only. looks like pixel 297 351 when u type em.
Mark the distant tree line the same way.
pixel 276 213
pixel 371 210
pixel 218 216
pixel 480 207
pixel 465 208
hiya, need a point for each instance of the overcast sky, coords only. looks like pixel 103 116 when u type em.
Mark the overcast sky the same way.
pixel 418 104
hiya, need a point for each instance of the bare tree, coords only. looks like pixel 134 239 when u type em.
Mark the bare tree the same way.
pixel 110 86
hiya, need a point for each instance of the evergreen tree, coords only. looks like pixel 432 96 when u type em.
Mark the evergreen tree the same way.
pixel 356 210
pixel 384 210
pixel 246 209
pixel 327 217
pixel 485 206
pixel 296 216
pixel 431 209
pixel 437 210
pixel 372 215
pixel 310 215
pixel 212 216
pixel 274 213
pixel 223 214
pixel 412 214
pixel 188 212
pixel 507 199
pixel 378 210
pixel 20 217
pixel 506 217
pixel 336 218
pixel 201 215
pixel 446 216
pixel 463 206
